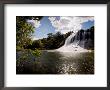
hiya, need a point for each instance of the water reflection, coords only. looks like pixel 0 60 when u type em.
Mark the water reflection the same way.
pixel 54 62
pixel 67 63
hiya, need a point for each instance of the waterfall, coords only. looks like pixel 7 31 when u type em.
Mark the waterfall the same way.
pixel 69 39
pixel 71 23
pixel 72 44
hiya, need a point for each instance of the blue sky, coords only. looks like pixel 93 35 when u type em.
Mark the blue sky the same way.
pixel 87 25
pixel 46 27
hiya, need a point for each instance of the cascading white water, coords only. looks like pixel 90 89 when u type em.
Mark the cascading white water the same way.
pixel 72 46
pixel 67 41
pixel 71 23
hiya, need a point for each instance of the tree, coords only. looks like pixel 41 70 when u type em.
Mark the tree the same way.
pixel 25 57
pixel 24 30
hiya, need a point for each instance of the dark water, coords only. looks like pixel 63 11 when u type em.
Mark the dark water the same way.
pixel 52 62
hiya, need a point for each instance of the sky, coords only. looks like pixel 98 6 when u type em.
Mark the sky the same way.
pixel 62 24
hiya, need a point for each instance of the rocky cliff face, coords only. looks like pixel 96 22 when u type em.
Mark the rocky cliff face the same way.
pixel 84 38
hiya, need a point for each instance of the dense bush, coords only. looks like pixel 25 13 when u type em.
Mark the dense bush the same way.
pixel 53 41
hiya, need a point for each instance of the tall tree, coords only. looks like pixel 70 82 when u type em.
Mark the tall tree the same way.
pixel 24 30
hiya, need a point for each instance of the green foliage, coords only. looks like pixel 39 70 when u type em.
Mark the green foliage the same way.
pixel 18 48
pixel 24 30
pixel 36 52
pixel 53 41
pixel 25 57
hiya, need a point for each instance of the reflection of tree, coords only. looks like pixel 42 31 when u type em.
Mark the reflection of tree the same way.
pixel 25 57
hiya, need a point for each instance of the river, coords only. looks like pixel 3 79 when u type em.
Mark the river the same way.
pixel 53 62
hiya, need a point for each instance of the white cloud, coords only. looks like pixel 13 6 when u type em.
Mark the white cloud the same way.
pixel 35 23
pixel 69 23
pixel 34 38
